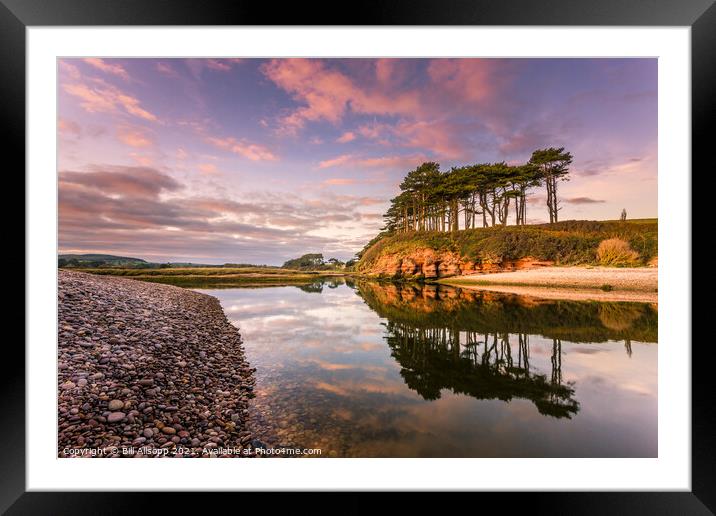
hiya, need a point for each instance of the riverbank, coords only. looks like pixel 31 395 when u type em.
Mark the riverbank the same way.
pixel 575 283
pixel 215 277
pixel 151 368
pixel 431 255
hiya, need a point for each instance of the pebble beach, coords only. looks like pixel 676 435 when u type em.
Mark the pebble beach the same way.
pixel 148 370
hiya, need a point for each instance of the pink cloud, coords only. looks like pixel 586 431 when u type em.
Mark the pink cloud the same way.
pixel 472 80
pixel 346 137
pixel 166 69
pixel 134 136
pixel 68 127
pixel 252 151
pixel 197 66
pixel 394 161
pixel 391 72
pixel 101 97
pixel 374 162
pixel 375 130
pixel 69 69
pixel 340 181
pixel 440 137
pixel 223 65
pixel 142 159
pixel 327 94
pixel 216 64
pixel 111 68
pixel 337 161
pixel 207 168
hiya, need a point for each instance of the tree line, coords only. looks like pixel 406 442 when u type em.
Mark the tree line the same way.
pixel 481 195
pixel 313 262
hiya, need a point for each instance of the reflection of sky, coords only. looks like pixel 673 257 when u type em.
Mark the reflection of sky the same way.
pixel 325 378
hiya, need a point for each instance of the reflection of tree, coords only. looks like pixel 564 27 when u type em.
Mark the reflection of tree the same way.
pixel 316 287
pixel 483 311
pixel 312 288
pixel 478 342
pixel 480 365
pixel 556 361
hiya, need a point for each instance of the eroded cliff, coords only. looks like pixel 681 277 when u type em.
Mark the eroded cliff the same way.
pixel 432 264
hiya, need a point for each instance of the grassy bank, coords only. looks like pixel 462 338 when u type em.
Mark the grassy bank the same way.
pixel 564 243
pixel 216 277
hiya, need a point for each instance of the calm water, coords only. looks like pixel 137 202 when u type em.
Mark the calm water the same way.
pixel 384 370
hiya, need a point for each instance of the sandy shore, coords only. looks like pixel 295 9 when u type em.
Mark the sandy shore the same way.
pixel 578 283
pixel 147 370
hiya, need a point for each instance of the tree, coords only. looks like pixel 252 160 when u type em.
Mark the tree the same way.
pixel 553 165
pixel 526 176
pixel 432 200
pixel 305 262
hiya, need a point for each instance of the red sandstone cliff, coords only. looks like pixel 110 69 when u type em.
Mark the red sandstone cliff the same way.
pixel 431 264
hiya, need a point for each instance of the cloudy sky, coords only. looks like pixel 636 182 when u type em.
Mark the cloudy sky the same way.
pixel 259 161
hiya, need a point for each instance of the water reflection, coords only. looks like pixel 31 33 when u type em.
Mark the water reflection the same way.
pixel 482 366
pixel 362 368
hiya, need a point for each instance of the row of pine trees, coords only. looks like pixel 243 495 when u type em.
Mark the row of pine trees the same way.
pixel 482 195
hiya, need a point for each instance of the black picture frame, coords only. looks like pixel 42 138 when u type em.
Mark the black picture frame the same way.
pixel 700 15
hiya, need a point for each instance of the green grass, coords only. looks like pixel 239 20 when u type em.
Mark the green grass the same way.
pixel 214 277
pixel 194 271
pixel 571 242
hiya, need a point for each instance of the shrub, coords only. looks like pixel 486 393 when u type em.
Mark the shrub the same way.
pixel 617 253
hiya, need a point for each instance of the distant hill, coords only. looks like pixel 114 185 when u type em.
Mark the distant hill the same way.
pixel 96 260
pixel 109 260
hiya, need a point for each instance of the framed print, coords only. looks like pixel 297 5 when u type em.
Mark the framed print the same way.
pixel 424 249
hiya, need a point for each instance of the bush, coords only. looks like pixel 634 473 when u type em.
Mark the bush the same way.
pixel 617 253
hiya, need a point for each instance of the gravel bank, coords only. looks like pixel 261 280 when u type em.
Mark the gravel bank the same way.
pixel 594 283
pixel 148 370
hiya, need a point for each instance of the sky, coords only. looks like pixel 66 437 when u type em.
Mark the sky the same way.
pixel 263 160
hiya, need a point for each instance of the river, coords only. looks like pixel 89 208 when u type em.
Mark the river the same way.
pixel 368 369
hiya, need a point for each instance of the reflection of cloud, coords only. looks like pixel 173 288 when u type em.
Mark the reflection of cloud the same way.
pixel 585 351
pixel 331 388
pixel 333 366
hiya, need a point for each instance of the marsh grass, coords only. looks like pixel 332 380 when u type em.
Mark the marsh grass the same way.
pixel 214 277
